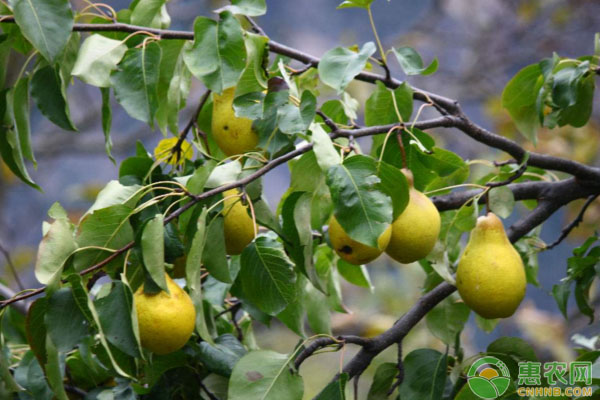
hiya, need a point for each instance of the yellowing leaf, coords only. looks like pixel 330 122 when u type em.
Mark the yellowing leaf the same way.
pixel 164 151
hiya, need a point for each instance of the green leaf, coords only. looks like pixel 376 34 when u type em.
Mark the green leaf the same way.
pixel 46 24
pixel 146 11
pixel 106 122
pixel 382 381
pixel 447 320
pixel 519 98
pixel 153 250
pixel 425 375
pixel 514 347
pixel 254 78
pixel 56 247
pixel 221 357
pixel 293 315
pixel 339 66
pixel 30 376
pixel 107 228
pixel 10 146
pixel 579 113
pixel 35 329
pixel 97 58
pixel 317 311
pixel 251 8
pixel 355 4
pixel 135 82
pixel 412 63
pixel 486 325
pixel 47 89
pixel 115 314
pixel 335 390
pixel 381 106
pixel 360 206
pixel 294 119
pixel 395 185
pixel 565 84
pixel 267 275
pixel 64 321
pixel 561 293
pixel 54 372
pixel 355 274
pixel 264 375
pixel 20 111
pixel 214 256
pixel 9 384
pixel 115 193
pixel 323 148
pixel 502 201
pixel 217 56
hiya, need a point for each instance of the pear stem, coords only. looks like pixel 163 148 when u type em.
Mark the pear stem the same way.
pixel 401 145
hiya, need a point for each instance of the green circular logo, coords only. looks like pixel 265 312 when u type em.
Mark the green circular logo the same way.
pixel 488 377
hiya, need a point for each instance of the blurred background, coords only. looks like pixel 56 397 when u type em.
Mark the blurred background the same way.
pixel 480 46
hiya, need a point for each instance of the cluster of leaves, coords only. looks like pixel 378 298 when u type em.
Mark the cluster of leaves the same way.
pixel 84 333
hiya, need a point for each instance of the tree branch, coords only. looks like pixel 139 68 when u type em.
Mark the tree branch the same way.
pixel 565 232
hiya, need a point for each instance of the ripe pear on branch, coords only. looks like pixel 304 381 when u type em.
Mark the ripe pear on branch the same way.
pixel 166 320
pixel 490 277
pixel 239 229
pixel 234 135
pixel 353 251
pixel 416 229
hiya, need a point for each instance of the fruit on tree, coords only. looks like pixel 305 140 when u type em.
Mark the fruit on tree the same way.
pixel 490 277
pixel 415 231
pixel 238 225
pixel 352 251
pixel 234 135
pixel 166 320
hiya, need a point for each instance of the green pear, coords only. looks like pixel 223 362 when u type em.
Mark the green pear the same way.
pixel 490 277
pixel 234 135
pixel 416 230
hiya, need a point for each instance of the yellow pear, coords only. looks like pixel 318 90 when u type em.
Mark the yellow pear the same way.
pixel 166 320
pixel 238 226
pixel 352 251
pixel 490 277
pixel 234 135
pixel 416 230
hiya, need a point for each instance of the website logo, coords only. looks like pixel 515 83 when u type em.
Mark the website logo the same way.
pixel 488 377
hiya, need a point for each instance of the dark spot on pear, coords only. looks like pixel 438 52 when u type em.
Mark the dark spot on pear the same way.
pixel 346 249
pixel 226 127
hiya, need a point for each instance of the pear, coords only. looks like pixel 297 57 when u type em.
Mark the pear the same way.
pixel 490 277
pixel 234 135
pixel 237 224
pixel 416 230
pixel 352 251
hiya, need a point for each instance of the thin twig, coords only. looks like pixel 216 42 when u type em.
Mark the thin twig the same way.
pixel 210 395
pixel 11 266
pixel 176 150
pixel 328 121
pixel 565 232
pixel 518 173
pixel 400 375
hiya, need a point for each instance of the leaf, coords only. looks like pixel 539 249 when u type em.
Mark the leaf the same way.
pixel 395 185
pixel 214 256
pixel 356 274
pixel 254 79
pixel 381 106
pixel 97 58
pixel 502 201
pixel 54 372
pixel 292 119
pixel 146 11
pixel 46 24
pixel 411 62
pixel 323 148
pixel 264 375
pixel 335 390
pixel 135 82
pixel 251 8
pixel 339 66
pixel 360 206
pixel 106 122
pixel 31 377
pixel 447 320
pixel 565 84
pixel 519 98
pixel 222 356
pixel 56 247
pixel 217 56
pixel 153 250
pixel 513 346
pixel 114 193
pixel 267 275
pixel 20 111
pixel 223 174
pixel 382 381
pixel 35 328
pixel 48 93
pixel 115 314
pixel 64 321
pixel 425 375
pixel 107 228
pixel 561 293
pixel 486 325
pixel 578 114
pixel 317 310
pixel 355 4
